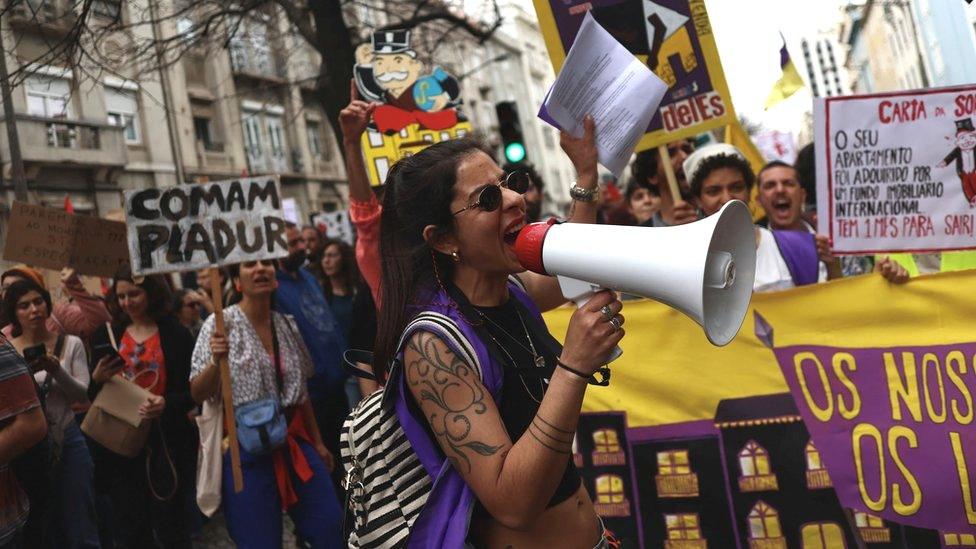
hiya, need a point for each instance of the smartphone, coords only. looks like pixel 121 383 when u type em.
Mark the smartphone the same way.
pixel 33 353
pixel 102 350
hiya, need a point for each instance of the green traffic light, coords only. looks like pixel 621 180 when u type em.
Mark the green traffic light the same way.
pixel 515 152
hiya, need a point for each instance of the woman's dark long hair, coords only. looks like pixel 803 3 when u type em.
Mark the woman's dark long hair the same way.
pixel 158 294
pixel 419 191
pixel 13 294
pixel 348 269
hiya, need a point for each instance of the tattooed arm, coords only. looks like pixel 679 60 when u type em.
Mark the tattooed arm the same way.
pixel 513 481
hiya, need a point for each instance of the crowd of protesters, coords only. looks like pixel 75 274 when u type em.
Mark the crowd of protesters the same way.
pixel 436 237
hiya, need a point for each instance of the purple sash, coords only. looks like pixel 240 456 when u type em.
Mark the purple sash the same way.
pixel 799 251
pixel 446 516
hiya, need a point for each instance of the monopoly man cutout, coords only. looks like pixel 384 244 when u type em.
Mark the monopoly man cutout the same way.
pixel 387 70
pixel 965 157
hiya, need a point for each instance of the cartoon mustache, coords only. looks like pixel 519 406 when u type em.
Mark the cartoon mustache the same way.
pixel 394 75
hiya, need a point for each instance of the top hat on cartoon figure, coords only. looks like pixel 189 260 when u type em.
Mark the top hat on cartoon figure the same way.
pixel 964 125
pixel 392 41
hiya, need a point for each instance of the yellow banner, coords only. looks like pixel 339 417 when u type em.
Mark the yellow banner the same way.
pixel 669 373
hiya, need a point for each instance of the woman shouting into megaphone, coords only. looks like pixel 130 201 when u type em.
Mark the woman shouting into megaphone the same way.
pixel 487 398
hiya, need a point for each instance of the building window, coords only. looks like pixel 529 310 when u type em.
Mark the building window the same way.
pixel 959 540
pixel 674 475
pixel 123 111
pixel 605 440
pixel 764 529
pixel 107 8
pixel 314 138
pixel 817 476
pixel 203 128
pixel 757 475
pixel 822 535
pixel 871 528
pixel 48 97
pixel 683 532
pixel 609 489
pixel 606 448
pixel 610 497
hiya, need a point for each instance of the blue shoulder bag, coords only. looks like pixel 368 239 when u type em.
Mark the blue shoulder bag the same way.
pixel 261 424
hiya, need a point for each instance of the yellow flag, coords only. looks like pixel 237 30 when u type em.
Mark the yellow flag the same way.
pixel 789 83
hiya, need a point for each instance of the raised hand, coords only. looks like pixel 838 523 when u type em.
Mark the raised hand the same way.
pixel 354 119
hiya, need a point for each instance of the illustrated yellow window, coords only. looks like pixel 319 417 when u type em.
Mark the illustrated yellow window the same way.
pixel 673 462
pixel 813 458
pixel 763 522
pixel 605 441
pixel 754 460
pixel 609 489
pixel 959 540
pixel 683 526
pixel 864 520
pixel 824 535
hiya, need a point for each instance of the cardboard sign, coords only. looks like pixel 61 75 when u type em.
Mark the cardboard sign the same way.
pixel 673 37
pixel 53 239
pixel 897 171
pixel 420 103
pixel 191 227
pixel 335 225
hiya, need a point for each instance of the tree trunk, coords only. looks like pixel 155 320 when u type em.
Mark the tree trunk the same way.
pixel 338 57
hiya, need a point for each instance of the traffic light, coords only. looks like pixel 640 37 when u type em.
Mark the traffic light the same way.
pixel 511 132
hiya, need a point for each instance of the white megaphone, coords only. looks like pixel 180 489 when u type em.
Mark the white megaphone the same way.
pixel 704 269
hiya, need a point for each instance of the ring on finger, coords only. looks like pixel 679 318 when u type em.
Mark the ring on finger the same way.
pixel 607 313
pixel 616 322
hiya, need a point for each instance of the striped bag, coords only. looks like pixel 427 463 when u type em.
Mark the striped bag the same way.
pixel 386 483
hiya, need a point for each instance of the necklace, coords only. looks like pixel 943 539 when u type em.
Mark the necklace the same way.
pixel 537 360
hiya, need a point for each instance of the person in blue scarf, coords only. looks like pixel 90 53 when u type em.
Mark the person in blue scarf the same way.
pixel 491 420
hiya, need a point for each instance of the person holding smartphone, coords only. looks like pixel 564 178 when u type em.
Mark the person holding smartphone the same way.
pixel 148 492
pixel 60 368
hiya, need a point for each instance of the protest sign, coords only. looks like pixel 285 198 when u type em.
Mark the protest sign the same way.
pixel 673 38
pixel 695 442
pixel 335 225
pixel 53 239
pixel 191 227
pixel 897 171
pixel 777 145
pixel 420 105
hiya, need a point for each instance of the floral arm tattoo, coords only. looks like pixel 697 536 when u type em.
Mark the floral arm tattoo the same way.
pixel 450 386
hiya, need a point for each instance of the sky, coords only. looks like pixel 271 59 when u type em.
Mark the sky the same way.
pixel 747 33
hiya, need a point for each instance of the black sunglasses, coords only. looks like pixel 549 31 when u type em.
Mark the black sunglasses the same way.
pixel 490 197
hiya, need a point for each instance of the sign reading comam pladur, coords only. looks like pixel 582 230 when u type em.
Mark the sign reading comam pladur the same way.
pixel 191 227
pixel 896 172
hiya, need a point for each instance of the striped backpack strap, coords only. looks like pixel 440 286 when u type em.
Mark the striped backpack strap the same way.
pixel 386 483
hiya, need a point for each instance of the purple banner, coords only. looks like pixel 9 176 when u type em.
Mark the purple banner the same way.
pixel 893 427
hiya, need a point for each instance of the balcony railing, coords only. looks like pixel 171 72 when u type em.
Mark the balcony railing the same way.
pixel 60 141
pixel 49 14
pixel 247 62
pixel 875 535
pixel 767 543
pixel 758 483
pixel 685 544
pixel 677 486
pixel 818 478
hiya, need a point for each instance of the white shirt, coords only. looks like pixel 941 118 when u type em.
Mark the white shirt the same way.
pixel 772 273
pixel 251 367
pixel 771 270
pixel 74 363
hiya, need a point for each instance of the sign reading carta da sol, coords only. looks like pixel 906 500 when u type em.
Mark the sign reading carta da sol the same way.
pixel 893 425
pixel 190 227
pixel 897 171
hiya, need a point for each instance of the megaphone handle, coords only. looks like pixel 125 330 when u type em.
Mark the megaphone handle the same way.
pixel 580 292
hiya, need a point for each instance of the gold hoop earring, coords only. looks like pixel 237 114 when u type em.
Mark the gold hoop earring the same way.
pixel 456 256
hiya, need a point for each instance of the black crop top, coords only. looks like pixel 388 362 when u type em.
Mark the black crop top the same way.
pixel 523 384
